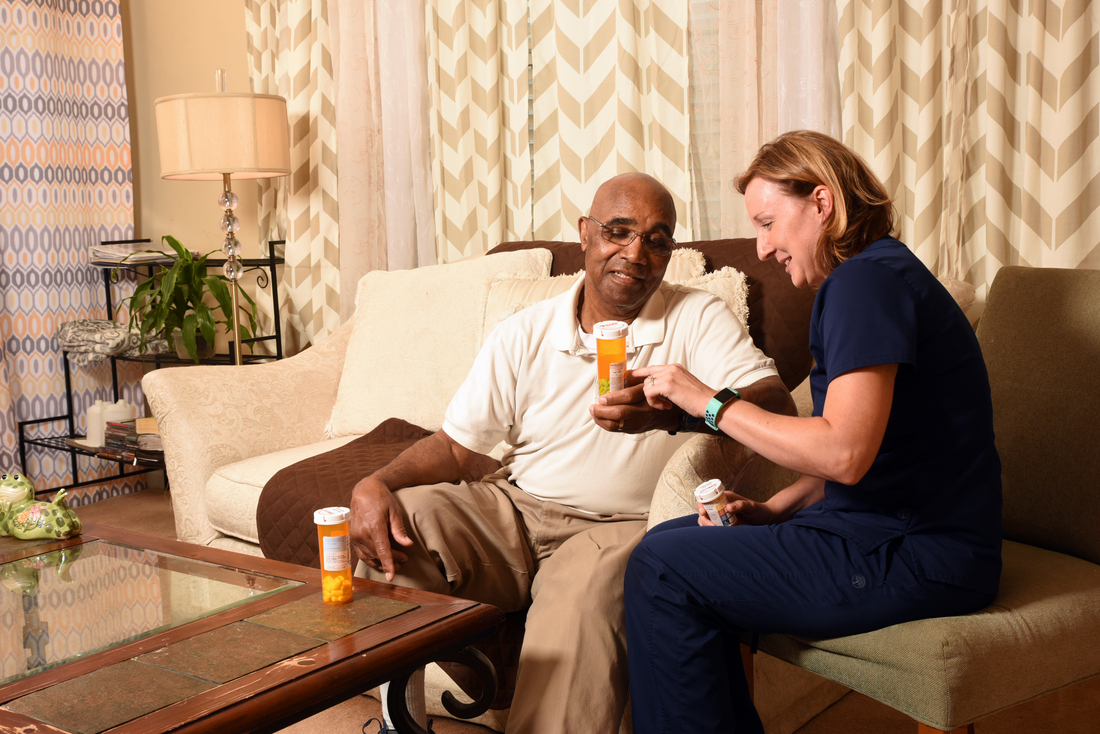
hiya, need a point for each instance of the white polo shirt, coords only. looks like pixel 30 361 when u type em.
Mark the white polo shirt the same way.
pixel 534 378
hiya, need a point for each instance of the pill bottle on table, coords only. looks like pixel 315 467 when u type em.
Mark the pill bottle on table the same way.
pixel 610 355
pixel 710 495
pixel 335 544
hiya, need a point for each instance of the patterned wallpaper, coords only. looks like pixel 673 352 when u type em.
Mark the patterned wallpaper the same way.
pixel 65 183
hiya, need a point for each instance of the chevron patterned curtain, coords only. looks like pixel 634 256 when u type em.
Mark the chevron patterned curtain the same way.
pixel 609 82
pixel 981 116
pixel 481 165
pixel 610 96
pixel 290 55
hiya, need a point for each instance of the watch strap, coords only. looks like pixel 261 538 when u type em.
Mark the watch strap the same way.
pixel 720 398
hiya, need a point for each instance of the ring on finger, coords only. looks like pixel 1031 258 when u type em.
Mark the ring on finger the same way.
pixel 620 424
pixel 649 380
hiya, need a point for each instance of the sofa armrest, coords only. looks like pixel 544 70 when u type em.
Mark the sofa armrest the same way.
pixel 706 457
pixel 211 416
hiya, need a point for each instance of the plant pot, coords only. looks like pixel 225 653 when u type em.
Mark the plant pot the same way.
pixel 202 349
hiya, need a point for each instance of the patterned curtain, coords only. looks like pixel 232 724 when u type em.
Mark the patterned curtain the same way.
pixel 981 115
pixel 609 82
pixel 610 96
pixel 65 184
pixel 478 58
pixel 290 55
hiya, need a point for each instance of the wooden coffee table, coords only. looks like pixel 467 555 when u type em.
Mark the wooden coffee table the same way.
pixel 122 631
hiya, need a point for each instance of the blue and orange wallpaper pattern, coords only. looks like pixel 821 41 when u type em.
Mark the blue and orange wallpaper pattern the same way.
pixel 66 183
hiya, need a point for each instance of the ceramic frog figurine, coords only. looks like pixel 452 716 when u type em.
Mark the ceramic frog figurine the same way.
pixel 15 488
pixel 30 519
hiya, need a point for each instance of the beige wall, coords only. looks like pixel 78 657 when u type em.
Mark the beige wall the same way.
pixel 174 47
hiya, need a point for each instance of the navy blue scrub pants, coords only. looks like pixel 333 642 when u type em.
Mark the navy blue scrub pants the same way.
pixel 690 592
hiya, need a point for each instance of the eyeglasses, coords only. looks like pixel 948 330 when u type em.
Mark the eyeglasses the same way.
pixel 655 242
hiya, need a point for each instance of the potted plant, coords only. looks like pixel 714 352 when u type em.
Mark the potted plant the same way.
pixel 174 298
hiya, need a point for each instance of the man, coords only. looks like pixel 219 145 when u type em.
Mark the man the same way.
pixel 554 527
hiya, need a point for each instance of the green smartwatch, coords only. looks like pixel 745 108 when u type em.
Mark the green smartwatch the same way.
pixel 720 398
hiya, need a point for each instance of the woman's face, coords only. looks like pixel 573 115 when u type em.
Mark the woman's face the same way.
pixel 788 227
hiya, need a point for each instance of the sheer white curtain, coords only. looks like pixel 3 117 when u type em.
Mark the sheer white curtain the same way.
pixel 758 68
pixel 807 58
pixel 361 185
pixel 386 213
pixel 402 61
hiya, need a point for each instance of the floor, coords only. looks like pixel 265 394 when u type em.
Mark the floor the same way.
pixel 1072 710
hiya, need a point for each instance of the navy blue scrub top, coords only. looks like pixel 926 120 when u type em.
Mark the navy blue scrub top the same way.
pixel 936 481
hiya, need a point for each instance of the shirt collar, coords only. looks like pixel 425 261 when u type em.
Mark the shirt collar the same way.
pixel 647 328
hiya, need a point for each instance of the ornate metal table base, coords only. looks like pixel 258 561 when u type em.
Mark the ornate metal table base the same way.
pixel 474 660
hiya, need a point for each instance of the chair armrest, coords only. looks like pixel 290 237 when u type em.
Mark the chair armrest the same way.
pixel 211 416
pixel 706 457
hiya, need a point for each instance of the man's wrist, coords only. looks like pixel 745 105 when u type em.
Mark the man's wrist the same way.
pixel 688 423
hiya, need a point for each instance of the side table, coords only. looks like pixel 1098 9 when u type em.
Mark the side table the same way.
pixel 267 277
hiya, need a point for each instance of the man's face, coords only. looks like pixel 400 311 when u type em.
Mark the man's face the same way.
pixel 619 279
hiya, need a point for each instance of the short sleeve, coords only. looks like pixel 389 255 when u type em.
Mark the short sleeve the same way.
pixel 867 316
pixel 482 411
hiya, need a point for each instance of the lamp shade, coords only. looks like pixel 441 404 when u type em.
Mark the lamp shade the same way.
pixel 203 136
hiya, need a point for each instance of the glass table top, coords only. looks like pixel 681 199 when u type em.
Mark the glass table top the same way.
pixel 61 605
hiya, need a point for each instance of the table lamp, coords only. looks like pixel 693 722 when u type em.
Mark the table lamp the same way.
pixel 210 137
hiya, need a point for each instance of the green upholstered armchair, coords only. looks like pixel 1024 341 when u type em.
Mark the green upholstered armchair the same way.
pixel 1040 335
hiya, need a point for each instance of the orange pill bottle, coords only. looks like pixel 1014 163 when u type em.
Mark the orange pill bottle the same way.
pixel 610 355
pixel 335 544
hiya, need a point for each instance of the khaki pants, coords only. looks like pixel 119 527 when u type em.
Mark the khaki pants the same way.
pixel 491 542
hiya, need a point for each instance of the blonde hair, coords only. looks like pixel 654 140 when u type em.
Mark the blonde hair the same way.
pixel 799 162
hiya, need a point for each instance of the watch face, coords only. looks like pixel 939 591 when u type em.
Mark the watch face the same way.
pixel 724 394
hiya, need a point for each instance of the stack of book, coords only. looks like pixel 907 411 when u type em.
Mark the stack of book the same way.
pixel 131 442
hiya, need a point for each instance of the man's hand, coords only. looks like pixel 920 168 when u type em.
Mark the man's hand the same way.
pixel 375 519
pixel 626 411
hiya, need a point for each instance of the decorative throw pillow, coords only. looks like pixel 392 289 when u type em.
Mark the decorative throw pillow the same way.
pixel 415 337
pixel 508 296
pixel 728 284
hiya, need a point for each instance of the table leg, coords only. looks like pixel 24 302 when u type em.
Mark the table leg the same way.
pixel 397 699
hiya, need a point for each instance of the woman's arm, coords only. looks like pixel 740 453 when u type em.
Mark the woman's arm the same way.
pixel 781 507
pixel 840 445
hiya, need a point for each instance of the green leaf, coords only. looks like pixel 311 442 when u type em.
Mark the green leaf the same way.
pixel 181 252
pixel 187 331
pixel 205 318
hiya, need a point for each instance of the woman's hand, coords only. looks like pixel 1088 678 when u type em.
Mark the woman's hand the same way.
pixel 742 510
pixel 782 506
pixel 671 385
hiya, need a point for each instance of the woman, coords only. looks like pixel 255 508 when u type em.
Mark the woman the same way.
pixel 897 513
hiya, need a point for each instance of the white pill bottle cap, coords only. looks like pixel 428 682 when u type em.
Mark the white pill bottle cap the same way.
pixel 331 515
pixel 709 490
pixel 610 330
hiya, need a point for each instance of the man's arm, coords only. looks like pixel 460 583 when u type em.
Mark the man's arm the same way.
pixel 375 517
pixel 638 416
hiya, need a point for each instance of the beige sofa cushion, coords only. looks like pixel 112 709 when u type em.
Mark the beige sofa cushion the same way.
pixel 233 491
pixel 415 337
pixel 511 295
pixel 686 266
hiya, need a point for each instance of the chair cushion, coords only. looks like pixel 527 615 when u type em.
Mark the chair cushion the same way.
pixel 1041 633
pixel 415 338
pixel 233 491
pixel 284 512
pixel 1040 336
